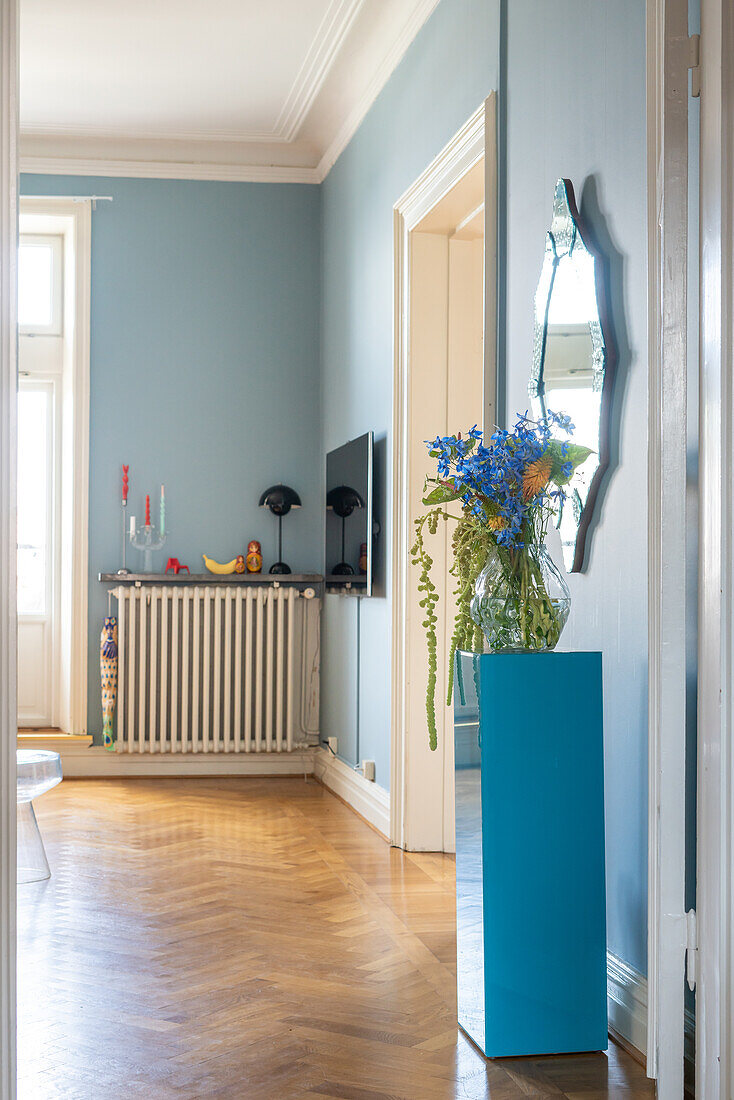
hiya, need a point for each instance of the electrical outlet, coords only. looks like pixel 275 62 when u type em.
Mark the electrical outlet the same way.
pixel 368 770
pixel 333 743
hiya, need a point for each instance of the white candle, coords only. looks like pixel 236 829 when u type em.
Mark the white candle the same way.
pixel 132 526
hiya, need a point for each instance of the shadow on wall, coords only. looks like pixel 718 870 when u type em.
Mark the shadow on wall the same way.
pixel 613 276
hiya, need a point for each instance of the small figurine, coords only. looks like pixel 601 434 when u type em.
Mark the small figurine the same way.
pixel 254 557
pixel 108 674
pixel 363 558
pixel 239 565
pixel 174 565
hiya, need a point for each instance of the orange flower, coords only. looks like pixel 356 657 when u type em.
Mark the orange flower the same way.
pixel 496 523
pixel 536 477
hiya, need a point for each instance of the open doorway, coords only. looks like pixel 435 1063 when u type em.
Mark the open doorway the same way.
pixel 445 257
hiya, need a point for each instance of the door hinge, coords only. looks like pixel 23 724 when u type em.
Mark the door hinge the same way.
pixel 691 948
pixel 694 64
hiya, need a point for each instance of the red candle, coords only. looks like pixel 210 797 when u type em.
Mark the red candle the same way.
pixel 124 483
pixel 147 510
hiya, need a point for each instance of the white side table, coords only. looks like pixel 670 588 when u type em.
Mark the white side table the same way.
pixel 38 772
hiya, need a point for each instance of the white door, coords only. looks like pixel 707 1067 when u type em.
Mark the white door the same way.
pixel 35 553
pixel 40 366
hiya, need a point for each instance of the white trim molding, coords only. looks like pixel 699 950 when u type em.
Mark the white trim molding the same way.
pixel 627 1002
pixel 715 802
pixel 627 1008
pixel 72 218
pixel 80 759
pixel 8 541
pixel 382 74
pixel 329 38
pixel 476 139
pixel 667 46
pixel 366 798
pixel 167 170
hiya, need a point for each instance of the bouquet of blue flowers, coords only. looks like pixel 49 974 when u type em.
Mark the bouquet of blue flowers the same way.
pixel 507 490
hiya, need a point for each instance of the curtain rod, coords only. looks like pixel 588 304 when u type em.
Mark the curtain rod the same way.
pixel 94 199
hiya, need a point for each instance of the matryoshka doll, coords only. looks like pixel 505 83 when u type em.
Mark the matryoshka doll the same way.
pixel 239 565
pixel 254 557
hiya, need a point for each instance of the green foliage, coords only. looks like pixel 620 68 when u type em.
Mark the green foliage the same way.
pixel 424 561
pixel 562 454
pixel 471 542
pixel 443 492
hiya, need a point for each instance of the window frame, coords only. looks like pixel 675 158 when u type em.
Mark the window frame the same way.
pixel 56 242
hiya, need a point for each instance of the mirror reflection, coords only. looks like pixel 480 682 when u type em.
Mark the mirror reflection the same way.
pixel 570 360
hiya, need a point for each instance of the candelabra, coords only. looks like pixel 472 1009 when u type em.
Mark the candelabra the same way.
pixel 147 538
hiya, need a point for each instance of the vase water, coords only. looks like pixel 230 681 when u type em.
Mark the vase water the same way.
pixel 521 600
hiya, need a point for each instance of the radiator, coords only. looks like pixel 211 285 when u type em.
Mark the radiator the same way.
pixel 216 668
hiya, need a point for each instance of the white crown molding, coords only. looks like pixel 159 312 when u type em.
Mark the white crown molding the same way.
pixel 167 170
pixel 124 133
pixel 327 42
pixel 382 74
pixel 64 150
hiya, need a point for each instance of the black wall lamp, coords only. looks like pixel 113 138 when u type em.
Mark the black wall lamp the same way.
pixel 280 499
pixel 343 500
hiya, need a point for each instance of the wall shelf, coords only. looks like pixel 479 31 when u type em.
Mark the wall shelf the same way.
pixel 340 581
pixel 301 581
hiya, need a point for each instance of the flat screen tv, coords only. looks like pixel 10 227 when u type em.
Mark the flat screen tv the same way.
pixel 348 562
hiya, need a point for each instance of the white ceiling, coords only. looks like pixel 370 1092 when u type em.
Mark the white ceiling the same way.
pixel 231 89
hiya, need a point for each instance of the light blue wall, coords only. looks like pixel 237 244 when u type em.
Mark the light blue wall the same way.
pixel 574 83
pixel 576 108
pixel 204 368
pixel 446 74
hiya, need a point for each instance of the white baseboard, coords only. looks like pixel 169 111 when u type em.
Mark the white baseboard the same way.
pixel 627 1006
pixel 369 800
pixel 627 1001
pixel 82 760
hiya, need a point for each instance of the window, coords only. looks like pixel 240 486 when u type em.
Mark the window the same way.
pixel 35 483
pixel 40 261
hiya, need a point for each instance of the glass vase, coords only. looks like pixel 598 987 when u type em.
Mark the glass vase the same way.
pixel 521 600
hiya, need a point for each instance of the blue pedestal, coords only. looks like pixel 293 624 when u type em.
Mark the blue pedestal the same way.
pixel 531 899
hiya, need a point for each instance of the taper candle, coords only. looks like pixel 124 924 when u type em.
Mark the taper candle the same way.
pixel 163 509
pixel 132 526
pixel 147 509
pixel 124 484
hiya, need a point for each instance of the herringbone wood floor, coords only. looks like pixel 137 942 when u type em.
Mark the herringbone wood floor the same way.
pixel 248 939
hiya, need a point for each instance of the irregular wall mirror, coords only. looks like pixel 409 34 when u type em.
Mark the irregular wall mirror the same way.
pixel 572 360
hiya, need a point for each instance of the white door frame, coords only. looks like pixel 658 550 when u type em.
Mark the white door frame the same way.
pixel 8 444
pixel 667 50
pixel 72 218
pixel 715 871
pixel 476 139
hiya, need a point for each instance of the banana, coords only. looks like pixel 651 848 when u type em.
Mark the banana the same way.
pixel 219 567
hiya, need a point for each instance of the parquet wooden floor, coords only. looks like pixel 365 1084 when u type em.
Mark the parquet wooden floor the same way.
pixel 250 939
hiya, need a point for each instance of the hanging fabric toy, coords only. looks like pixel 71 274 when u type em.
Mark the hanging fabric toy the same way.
pixel 108 674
